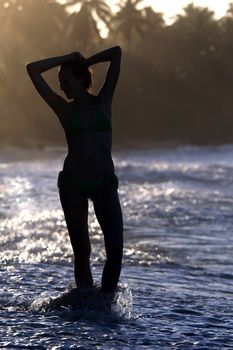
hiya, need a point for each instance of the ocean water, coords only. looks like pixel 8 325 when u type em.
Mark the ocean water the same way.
pixel 176 286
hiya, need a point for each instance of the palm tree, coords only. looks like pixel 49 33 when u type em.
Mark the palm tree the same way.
pixel 198 37
pixel 153 30
pixel 226 44
pixel 196 20
pixel 155 21
pixel 83 26
pixel 44 23
pixel 29 29
pixel 27 23
pixel 128 24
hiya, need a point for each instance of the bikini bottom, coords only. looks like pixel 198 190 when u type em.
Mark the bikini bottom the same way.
pixel 85 186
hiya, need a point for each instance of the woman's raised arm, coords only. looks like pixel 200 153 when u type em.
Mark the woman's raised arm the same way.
pixel 114 56
pixel 35 70
pixel 46 64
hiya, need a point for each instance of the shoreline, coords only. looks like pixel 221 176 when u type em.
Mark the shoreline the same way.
pixel 117 145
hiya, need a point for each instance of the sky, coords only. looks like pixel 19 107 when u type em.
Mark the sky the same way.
pixel 171 7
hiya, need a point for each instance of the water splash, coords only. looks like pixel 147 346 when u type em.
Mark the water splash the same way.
pixel 88 303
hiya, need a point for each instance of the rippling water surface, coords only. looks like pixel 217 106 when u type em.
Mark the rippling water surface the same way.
pixel 176 287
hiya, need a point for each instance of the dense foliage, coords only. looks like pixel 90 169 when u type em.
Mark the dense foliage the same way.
pixel 175 82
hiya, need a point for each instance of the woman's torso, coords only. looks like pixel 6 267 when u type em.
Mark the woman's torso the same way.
pixel 89 152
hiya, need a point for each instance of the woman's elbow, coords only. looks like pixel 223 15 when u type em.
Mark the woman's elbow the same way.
pixel 29 67
pixel 118 49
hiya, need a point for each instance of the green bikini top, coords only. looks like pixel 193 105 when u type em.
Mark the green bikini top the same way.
pixel 75 127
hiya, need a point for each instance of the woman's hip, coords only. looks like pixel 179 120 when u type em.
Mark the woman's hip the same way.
pixel 87 186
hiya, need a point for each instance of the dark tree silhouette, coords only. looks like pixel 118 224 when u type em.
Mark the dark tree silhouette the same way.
pixel 128 23
pixel 83 30
pixel 176 80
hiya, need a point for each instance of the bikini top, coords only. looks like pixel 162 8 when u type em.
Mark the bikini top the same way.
pixel 74 126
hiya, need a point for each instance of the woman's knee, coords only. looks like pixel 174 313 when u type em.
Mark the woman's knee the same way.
pixel 80 241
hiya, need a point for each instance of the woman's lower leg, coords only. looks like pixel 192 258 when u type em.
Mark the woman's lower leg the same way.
pixel 75 207
pixel 109 215
pixel 111 271
pixel 82 268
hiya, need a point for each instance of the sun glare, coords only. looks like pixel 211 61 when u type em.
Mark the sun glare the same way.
pixel 170 8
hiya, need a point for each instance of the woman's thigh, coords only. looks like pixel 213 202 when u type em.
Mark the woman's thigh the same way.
pixel 109 215
pixel 75 208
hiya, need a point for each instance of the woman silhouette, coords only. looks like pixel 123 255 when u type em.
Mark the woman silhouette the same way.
pixel 88 170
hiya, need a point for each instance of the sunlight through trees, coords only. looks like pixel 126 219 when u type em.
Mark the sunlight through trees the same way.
pixel 175 81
